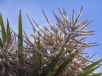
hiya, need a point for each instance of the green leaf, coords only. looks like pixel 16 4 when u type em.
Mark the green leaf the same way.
pixel 88 72
pixel 51 74
pixel 20 43
pixel 63 65
pixel 92 65
pixel 1 43
pixel 20 37
pixel 3 29
pixel 90 68
pixel 50 67
pixel 8 32
pixel 54 70
pixel 97 74
pixel 36 64
pixel 37 59
pixel 54 65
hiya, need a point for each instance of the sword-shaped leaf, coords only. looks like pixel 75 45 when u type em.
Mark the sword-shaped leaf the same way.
pixel 92 65
pixel 37 59
pixel 1 43
pixel 8 32
pixel 88 72
pixel 52 66
pixel 63 65
pixel 3 29
pixel 20 37
pixel 97 74
pixel 90 68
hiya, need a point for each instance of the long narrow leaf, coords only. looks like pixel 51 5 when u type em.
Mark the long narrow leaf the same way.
pixel 88 72
pixel 68 60
pixel 20 37
pixel 93 65
pixel 37 59
pixel 97 74
pixel 3 29
pixel 1 43
pixel 8 32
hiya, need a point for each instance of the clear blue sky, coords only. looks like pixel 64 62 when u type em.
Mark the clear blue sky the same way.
pixel 92 11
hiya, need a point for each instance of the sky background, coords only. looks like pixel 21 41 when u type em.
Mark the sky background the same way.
pixel 92 11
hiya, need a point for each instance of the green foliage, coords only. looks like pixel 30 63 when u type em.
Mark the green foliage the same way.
pixel 8 32
pixel 37 60
pixel 92 65
pixel 20 37
pixel 2 29
pixel 64 64
pixel 90 68
pixel 54 51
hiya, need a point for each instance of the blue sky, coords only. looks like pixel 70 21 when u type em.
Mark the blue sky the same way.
pixel 92 11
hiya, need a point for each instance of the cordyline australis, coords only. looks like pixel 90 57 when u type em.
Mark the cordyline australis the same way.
pixel 54 51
